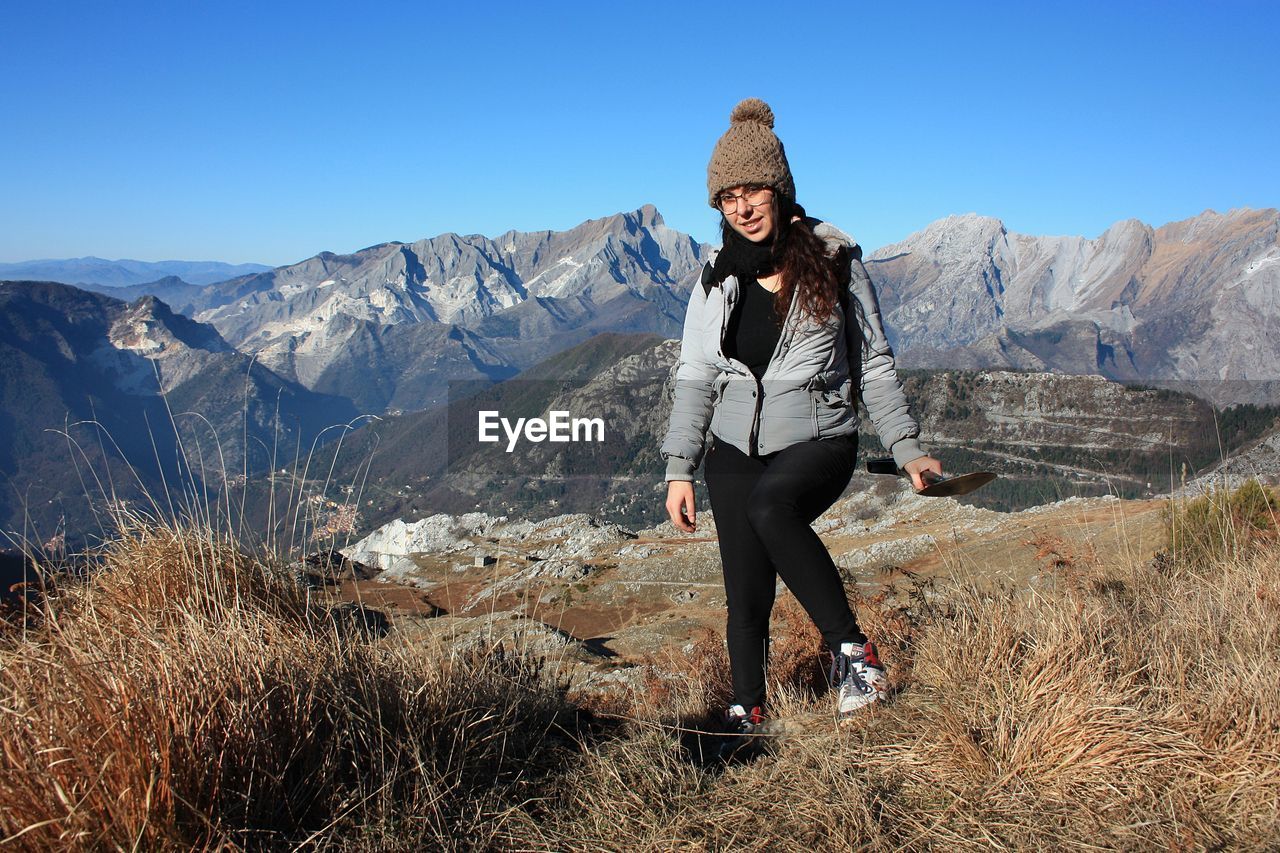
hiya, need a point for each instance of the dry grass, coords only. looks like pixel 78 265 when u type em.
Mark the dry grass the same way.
pixel 1130 707
pixel 690 685
pixel 1117 705
pixel 1222 522
pixel 187 696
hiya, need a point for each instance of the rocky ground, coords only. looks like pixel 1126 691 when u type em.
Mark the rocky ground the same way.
pixel 1259 460
pixel 603 603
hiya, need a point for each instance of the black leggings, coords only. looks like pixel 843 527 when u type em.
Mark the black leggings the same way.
pixel 763 508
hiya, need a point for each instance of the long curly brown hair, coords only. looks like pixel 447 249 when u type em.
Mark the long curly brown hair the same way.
pixel 803 261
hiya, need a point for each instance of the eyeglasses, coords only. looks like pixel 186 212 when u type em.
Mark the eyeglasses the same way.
pixel 753 196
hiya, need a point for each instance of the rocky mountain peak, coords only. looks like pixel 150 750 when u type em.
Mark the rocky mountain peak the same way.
pixel 647 216
pixel 1211 225
pixel 1128 232
pixel 150 328
pixel 625 225
pixel 963 233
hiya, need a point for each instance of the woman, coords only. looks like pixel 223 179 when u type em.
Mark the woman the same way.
pixel 782 324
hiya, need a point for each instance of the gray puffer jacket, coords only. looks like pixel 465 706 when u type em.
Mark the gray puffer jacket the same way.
pixel 805 393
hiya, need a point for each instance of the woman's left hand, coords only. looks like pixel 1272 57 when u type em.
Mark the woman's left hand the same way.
pixel 917 467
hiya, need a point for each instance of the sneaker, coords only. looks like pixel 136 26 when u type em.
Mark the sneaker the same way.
pixel 740 721
pixel 739 726
pixel 858 674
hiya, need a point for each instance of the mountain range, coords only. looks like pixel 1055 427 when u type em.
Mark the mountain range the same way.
pixel 405 327
pixel 99 272
pixel 1049 436
pixel 389 326
pixel 1194 303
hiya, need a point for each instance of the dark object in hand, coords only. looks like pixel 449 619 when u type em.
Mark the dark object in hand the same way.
pixel 935 486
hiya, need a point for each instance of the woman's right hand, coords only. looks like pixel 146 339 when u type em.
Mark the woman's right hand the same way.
pixel 680 505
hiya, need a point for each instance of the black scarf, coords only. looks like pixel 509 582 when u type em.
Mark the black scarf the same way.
pixel 743 258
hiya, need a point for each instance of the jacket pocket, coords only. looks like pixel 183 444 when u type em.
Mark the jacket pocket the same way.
pixel 830 406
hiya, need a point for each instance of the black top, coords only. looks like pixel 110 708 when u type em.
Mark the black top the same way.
pixel 754 327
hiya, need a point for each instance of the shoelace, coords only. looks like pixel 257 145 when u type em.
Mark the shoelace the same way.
pixel 842 668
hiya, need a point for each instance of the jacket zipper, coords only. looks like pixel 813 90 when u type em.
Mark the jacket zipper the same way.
pixel 753 440
pixel 755 418
pixel 754 435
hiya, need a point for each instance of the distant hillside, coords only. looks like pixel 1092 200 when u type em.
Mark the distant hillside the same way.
pixel 1050 436
pixel 179 295
pixel 91 389
pixel 1053 435
pixel 124 273
pixel 422 462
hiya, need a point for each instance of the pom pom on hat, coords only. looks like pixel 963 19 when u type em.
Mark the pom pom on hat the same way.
pixel 749 153
pixel 752 109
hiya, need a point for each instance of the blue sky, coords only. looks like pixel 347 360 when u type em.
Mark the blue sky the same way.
pixel 269 132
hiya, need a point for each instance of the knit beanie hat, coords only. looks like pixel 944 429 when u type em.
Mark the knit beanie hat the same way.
pixel 749 153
